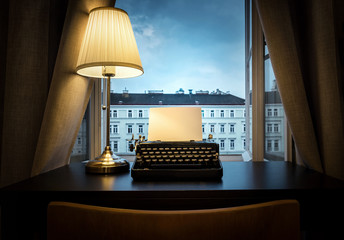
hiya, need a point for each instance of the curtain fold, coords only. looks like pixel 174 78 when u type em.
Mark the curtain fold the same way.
pixel 305 42
pixel 69 93
pixel 42 100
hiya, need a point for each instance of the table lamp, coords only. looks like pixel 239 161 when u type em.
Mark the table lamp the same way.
pixel 108 50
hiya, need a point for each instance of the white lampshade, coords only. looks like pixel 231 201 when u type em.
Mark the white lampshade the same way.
pixel 109 42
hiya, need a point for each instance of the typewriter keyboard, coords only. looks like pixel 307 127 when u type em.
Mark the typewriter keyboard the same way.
pixel 177 155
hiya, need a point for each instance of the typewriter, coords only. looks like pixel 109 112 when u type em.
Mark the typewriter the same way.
pixel 176 160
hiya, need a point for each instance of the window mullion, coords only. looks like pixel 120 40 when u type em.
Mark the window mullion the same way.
pixel 257 87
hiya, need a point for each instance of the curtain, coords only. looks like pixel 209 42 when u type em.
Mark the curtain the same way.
pixel 305 42
pixel 42 99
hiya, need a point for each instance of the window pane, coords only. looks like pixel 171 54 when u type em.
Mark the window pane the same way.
pixel 274 115
pixel 190 59
pixel 80 149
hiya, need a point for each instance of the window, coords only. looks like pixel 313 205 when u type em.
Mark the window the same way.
pixel 110 128
pixel 222 144
pixel 275 119
pixel 140 128
pixel 276 145
pixel 275 112
pixel 80 149
pixel 115 128
pixel 269 146
pixel 140 113
pixel 231 144
pixel 231 128
pixel 269 113
pixel 115 146
pixel 269 128
pixel 276 128
pixel 130 129
pixel 212 128
pixel 151 34
pixel 222 128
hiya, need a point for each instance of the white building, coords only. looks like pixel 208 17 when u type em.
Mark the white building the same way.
pixel 223 116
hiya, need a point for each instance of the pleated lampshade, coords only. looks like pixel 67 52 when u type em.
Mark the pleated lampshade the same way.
pixel 109 42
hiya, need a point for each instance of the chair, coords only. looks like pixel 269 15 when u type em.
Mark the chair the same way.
pixel 270 220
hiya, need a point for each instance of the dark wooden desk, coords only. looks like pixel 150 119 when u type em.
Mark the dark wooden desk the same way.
pixel 24 204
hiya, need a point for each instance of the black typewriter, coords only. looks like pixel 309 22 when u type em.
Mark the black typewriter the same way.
pixel 176 160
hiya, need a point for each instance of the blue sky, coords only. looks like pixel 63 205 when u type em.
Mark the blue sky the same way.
pixel 189 44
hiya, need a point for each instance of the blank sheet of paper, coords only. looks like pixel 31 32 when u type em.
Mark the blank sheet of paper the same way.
pixel 175 124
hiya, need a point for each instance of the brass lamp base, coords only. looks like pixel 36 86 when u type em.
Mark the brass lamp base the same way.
pixel 106 164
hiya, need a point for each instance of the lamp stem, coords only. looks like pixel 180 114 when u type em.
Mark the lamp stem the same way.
pixel 108 111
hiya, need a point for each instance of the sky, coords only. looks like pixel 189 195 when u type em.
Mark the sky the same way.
pixel 188 44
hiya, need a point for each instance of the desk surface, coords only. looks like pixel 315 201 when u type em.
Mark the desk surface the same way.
pixel 242 183
pixel 236 176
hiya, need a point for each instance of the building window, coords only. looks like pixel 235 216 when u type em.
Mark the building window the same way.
pixel 231 144
pixel 212 128
pixel 110 130
pixel 222 128
pixel 115 128
pixel 244 127
pixel 202 113
pixel 130 129
pixel 114 113
pixel 276 128
pixel 140 114
pixel 269 112
pixel 275 112
pixel 212 113
pixel 79 140
pixel 244 143
pixel 130 113
pixel 222 144
pixel 222 113
pixel 269 128
pixel 140 128
pixel 276 145
pixel 269 146
pixel 115 146
pixel 231 128
pixel 231 114
pixel 202 128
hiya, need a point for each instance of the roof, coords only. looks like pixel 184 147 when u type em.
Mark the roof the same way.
pixel 174 99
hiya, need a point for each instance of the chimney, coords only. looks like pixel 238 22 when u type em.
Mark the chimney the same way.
pixel 125 93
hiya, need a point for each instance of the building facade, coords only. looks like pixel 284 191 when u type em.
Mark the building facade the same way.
pixel 223 116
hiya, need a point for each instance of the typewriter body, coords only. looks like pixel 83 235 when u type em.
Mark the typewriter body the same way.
pixel 176 160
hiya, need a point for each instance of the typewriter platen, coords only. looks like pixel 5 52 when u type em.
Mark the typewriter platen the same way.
pixel 176 160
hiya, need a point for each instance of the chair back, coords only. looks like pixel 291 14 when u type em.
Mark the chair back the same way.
pixel 270 220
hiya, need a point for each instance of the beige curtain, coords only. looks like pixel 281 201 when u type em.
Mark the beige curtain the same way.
pixel 43 99
pixel 305 41
pixel 69 93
